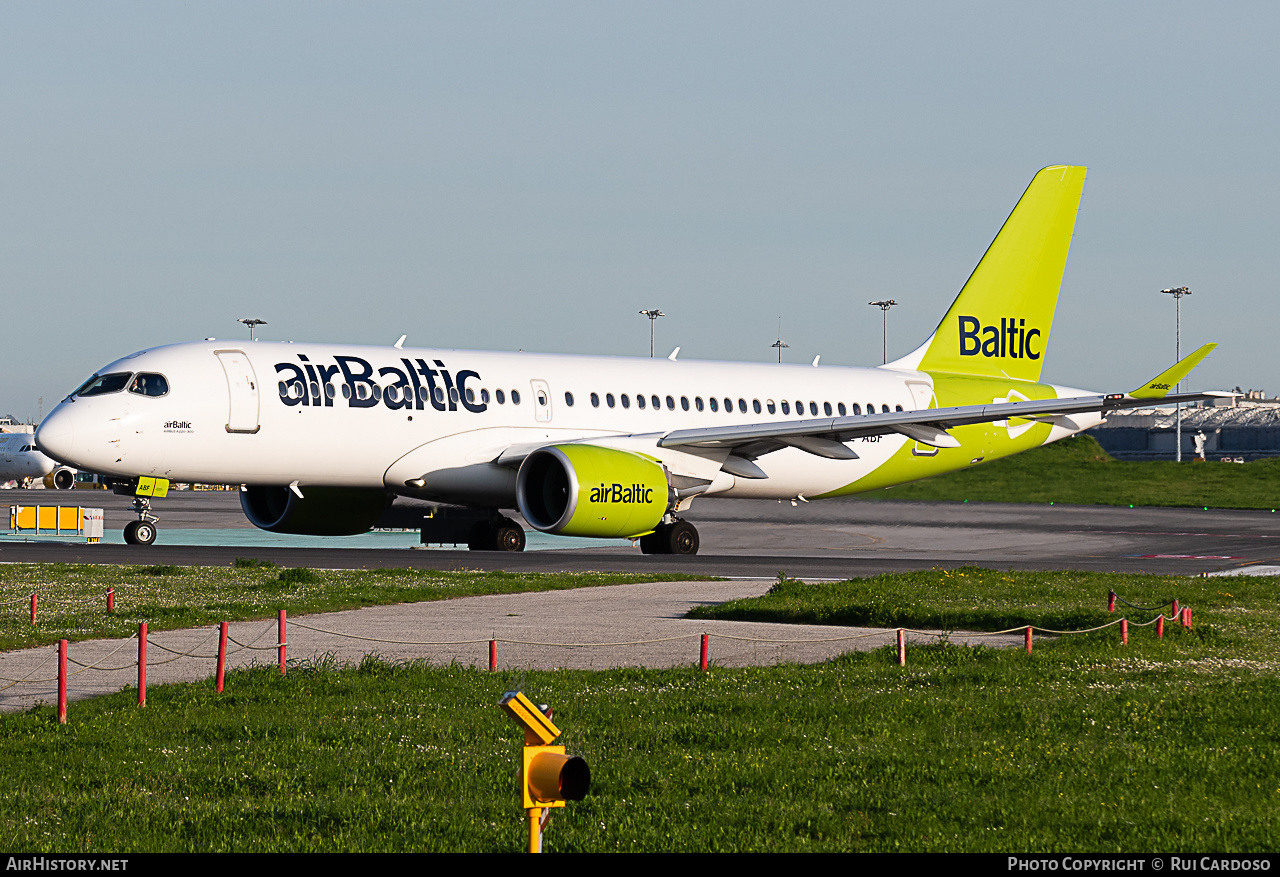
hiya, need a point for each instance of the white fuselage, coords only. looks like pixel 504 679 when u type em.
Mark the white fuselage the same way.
pixel 383 417
pixel 21 459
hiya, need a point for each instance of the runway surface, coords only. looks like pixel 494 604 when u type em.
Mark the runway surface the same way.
pixel 823 539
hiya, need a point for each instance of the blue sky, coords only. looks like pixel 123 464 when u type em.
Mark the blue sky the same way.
pixel 523 175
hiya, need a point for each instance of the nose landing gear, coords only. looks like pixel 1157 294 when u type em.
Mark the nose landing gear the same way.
pixel 143 530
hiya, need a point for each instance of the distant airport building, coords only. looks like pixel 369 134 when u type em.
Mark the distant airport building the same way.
pixel 1236 430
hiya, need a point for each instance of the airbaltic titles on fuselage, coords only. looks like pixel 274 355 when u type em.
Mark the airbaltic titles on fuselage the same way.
pixel 412 385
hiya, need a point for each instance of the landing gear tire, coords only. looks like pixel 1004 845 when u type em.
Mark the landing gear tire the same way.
pixel 500 535
pixel 679 538
pixel 508 536
pixel 139 533
pixel 652 543
pixel 682 538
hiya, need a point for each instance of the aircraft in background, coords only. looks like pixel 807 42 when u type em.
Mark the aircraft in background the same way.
pixel 21 460
pixel 324 436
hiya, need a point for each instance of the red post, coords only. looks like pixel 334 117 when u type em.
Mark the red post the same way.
pixel 1160 626
pixel 33 607
pixel 142 664
pixel 1111 601
pixel 1176 611
pixel 281 635
pixel 111 599
pixel 62 682
pixel 493 655
pixel 1186 617
pixel 222 655
pixel 902 647
pixel 1124 631
pixel 702 660
pixel 1027 637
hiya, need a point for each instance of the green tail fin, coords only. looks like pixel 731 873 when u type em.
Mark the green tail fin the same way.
pixel 999 324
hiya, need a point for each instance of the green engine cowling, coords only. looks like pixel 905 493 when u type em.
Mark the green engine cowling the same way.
pixel 585 490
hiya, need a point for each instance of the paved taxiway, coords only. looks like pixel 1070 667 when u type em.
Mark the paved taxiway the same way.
pixel 640 625
pixel 823 539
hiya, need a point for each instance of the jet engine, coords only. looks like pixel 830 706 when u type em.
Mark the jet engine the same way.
pixel 63 478
pixel 320 511
pixel 584 490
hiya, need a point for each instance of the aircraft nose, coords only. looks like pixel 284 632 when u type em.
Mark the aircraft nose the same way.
pixel 57 434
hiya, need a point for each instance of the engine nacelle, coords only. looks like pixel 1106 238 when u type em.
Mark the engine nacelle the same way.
pixel 61 478
pixel 321 511
pixel 585 490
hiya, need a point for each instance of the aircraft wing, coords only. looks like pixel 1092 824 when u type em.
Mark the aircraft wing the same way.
pixel 825 437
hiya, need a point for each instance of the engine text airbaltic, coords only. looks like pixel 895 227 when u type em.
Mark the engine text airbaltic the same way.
pixel 323 436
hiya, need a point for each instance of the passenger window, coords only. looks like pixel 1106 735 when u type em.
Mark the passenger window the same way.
pixel 608 399
pixel 857 409
pixel 715 406
pixel 786 407
pixel 813 409
pixel 484 397
pixel 799 408
pixel 841 409
pixel 742 405
pixel 684 402
pixel 595 400
pixel 640 400
pixel 884 409
pixel 515 397
pixel 826 408
pixel 626 401
pixel 728 405
pixel 568 398
pixel 657 403
pixel 671 404
pixel 697 402
pixel 772 408
pixel 755 405
pixel 498 394
pixel 897 407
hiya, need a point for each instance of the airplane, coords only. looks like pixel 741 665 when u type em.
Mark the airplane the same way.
pixel 21 460
pixel 322 437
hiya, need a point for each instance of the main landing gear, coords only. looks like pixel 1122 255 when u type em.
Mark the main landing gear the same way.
pixel 500 535
pixel 677 537
pixel 143 530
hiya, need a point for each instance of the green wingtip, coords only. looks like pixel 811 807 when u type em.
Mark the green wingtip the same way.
pixel 1159 386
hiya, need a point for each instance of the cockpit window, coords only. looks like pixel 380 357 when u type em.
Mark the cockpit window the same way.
pixel 101 384
pixel 148 384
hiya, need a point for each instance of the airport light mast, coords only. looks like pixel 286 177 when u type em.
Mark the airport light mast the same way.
pixel 1177 298
pixel 779 344
pixel 252 324
pixel 652 314
pixel 884 325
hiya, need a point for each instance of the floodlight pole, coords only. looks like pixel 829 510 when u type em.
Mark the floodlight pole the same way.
pixel 884 325
pixel 652 314
pixel 252 323
pixel 1177 299
pixel 779 344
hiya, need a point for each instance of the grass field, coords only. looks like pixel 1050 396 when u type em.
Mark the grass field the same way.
pixel 1077 470
pixel 71 602
pixel 1085 745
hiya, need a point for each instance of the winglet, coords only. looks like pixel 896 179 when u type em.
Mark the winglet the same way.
pixel 1161 384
